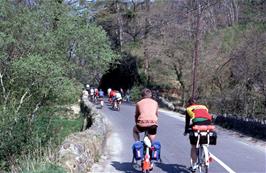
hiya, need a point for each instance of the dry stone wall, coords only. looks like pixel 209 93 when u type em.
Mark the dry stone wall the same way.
pixel 81 150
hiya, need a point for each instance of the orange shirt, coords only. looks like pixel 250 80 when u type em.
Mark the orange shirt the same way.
pixel 146 112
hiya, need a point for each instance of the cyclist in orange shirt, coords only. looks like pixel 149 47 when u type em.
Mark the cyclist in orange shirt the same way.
pixel 146 116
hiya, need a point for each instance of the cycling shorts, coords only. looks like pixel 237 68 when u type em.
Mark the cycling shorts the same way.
pixel 152 130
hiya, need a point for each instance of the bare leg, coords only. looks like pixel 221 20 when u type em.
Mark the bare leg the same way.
pixel 193 154
pixel 136 133
pixel 152 137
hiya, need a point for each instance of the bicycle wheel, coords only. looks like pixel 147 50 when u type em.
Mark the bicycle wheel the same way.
pixel 204 159
pixel 136 165
pixel 203 168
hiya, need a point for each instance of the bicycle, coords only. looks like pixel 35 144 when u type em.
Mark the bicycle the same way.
pixel 116 104
pixel 146 163
pixel 202 136
pixel 101 102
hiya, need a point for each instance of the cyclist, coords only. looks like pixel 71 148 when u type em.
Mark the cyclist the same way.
pixel 118 96
pixel 91 94
pixel 96 94
pixel 117 99
pixel 101 93
pixel 87 87
pixel 84 93
pixel 146 116
pixel 112 96
pixel 108 91
pixel 199 115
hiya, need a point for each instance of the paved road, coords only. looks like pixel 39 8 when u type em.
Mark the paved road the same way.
pixel 232 153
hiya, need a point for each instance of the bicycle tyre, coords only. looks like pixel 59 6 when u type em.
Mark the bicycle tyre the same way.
pixel 204 166
pixel 204 169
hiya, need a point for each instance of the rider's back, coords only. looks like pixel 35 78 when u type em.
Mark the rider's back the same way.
pixel 147 109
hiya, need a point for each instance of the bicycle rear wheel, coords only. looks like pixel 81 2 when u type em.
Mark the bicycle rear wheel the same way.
pixel 204 167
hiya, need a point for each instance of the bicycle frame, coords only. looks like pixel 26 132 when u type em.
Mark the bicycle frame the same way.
pixel 203 156
pixel 146 163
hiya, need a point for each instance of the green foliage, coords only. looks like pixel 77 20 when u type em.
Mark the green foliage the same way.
pixel 22 136
pixel 135 93
pixel 231 37
pixel 46 168
pixel 43 48
pixel 130 14
pixel 97 51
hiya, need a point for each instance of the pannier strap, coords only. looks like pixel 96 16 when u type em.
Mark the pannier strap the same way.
pixel 203 128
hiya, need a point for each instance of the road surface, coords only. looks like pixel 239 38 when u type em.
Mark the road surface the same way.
pixel 232 153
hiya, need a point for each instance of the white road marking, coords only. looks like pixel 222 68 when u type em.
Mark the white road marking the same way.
pixel 182 118
pixel 222 164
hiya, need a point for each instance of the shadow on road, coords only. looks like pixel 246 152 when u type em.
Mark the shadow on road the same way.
pixel 124 167
pixel 172 168
pixel 169 168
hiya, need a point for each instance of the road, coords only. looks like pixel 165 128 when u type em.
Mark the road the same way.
pixel 232 153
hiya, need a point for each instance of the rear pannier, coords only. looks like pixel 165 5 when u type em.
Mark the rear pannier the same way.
pixel 203 137
pixel 137 149
pixel 155 150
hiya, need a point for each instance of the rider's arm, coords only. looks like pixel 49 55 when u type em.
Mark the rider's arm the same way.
pixel 157 110
pixel 187 122
pixel 136 114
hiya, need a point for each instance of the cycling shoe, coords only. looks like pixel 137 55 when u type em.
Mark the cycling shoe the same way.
pixel 151 167
pixel 192 169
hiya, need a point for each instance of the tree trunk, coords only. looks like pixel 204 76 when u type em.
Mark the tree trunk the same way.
pixel 120 25
pixel 146 54
pixel 196 51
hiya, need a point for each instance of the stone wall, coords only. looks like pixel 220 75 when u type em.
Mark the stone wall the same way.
pixel 81 150
pixel 249 126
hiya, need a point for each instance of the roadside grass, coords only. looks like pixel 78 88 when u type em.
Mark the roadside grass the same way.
pixel 47 168
pixel 43 158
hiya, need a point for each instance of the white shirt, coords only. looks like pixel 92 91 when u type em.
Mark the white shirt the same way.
pixel 118 96
pixel 91 91
pixel 108 91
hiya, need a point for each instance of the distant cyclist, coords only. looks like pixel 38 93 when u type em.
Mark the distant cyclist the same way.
pixel 118 96
pixel 112 96
pixel 101 93
pixel 87 87
pixel 146 116
pixel 108 91
pixel 91 94
pixel 96 94
pixel 198 114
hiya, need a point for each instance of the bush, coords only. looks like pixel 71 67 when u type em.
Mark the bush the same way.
pixel 135 93
pixel 20 136
pixel 46 168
